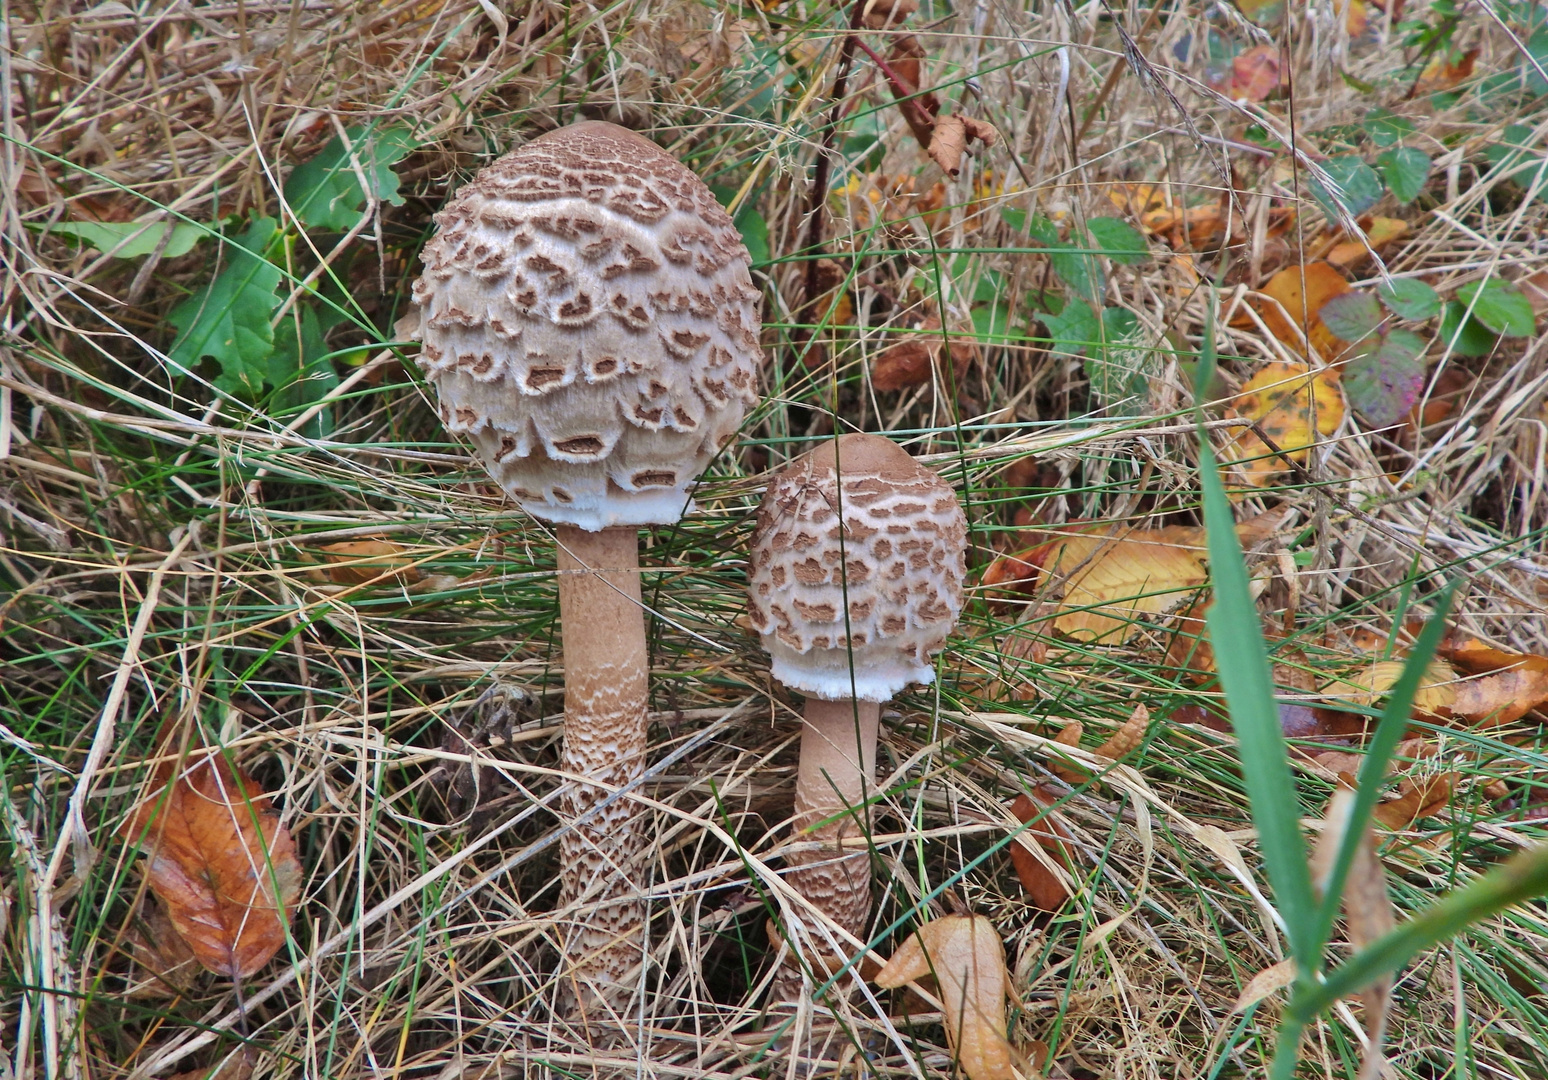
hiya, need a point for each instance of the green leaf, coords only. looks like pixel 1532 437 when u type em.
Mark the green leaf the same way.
pixel 992 324
pixel 1014 217
pixel 1467 337
pixel 1518 158
pixel 1537 47
pixel 300 369
pixel 1409 299
pixel 1118 240
pixel 1357 181
pixel 1387 128
pixel 1351 315
pixel 1074 330
pixel 755 234
pixel 1384 383
pixel 136 237
pixel 1405 170
pixel 1500 307
pixel 990 287
pixel 229 320
pixel 325 193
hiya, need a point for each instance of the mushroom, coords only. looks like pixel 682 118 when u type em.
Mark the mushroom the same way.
pixel 854 582
pixel 589 323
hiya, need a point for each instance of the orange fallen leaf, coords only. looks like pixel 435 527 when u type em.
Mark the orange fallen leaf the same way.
pixel 1442 73
pixel 221 863
pixel 1417 798
pixel 1110 582
pixel 1045 889
pixel 967 960
pixel 1356 18
pixel 1282 399
pixel 1510 684
pixel 356 562
pixel 1380 233
pixel 1299 293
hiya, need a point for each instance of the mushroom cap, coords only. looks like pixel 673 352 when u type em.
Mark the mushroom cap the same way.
pixel 589 322
pixel 897 556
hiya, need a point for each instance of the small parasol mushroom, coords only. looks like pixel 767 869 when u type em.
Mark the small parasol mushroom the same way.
pixel 589 322
pixel 855 581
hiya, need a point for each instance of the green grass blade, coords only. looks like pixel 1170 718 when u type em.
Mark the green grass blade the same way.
pixel 1245 675
pixel 1373 771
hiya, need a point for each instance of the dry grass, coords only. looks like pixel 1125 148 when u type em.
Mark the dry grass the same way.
pixel 165 539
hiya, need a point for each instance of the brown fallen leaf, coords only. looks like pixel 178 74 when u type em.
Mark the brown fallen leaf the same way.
pixel 1535 288
pixel 1272 978
pixel 164 964
pixel 1255 73
pixel 1509 685
pixel 1417 798
pixel 967 960
pixel 913 359
pixel 953 133
pixel 919 109
pixel 882 14
pixel 1380 232
pixel 222 864
pixel 1367 914
pixel 239 1066
pixel 356 562
pixel 1446 71
pixel 1045 889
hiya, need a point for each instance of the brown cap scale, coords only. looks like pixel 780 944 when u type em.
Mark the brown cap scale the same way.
pixel 590 324
pixel 854 582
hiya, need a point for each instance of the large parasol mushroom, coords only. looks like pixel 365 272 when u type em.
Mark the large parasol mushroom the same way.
pixel 590 324
pixel 854 581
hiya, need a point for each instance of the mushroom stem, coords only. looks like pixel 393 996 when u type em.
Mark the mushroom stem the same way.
pixel 837 773
pixel 605 671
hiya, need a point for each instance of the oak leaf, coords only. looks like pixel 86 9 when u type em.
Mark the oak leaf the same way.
pixel 221 863
pixel 967 960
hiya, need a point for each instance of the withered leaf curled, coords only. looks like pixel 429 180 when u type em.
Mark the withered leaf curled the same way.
pixel 221 863
pixel 964 954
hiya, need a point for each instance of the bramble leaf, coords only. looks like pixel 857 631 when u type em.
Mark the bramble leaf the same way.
pixel 1405 171
pixel 1351 315
pixel 1384 383
pixel 1500 307
pixel 1409 299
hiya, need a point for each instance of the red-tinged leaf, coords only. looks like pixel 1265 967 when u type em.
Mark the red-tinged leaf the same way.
pixel 1255 73
pixel 221 863
pixel 1044 888
pixel 964 954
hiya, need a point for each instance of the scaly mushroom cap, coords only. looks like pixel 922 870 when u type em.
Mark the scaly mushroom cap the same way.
pixel 898 556
pixel 589 321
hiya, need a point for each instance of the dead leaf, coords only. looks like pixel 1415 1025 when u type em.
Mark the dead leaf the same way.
pixel 382 562
pixel 1299 293
pixel 1535 288
pixel 1129 737
pixel 964 954
pixel 883 14
pixel 1045 889
pixel 1442 73
pixel 1435 698
pixel 1502 698
pixel 1272 978
pixel 217 857
pixel 164 964
pixel 1255 73
pixel 950 140
pixel 919 109
pixel 1282 399
pixel 1069 735
pixel 911 360
pixel 1380 232
pixel 1417 798
pixel 239 1066
pixel 1367 913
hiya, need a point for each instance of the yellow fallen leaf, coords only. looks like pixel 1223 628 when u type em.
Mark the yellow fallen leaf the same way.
pixel 1282 399
pixel 1381 232
pixel 355 562
pixel 1437 691
pixel 964 955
